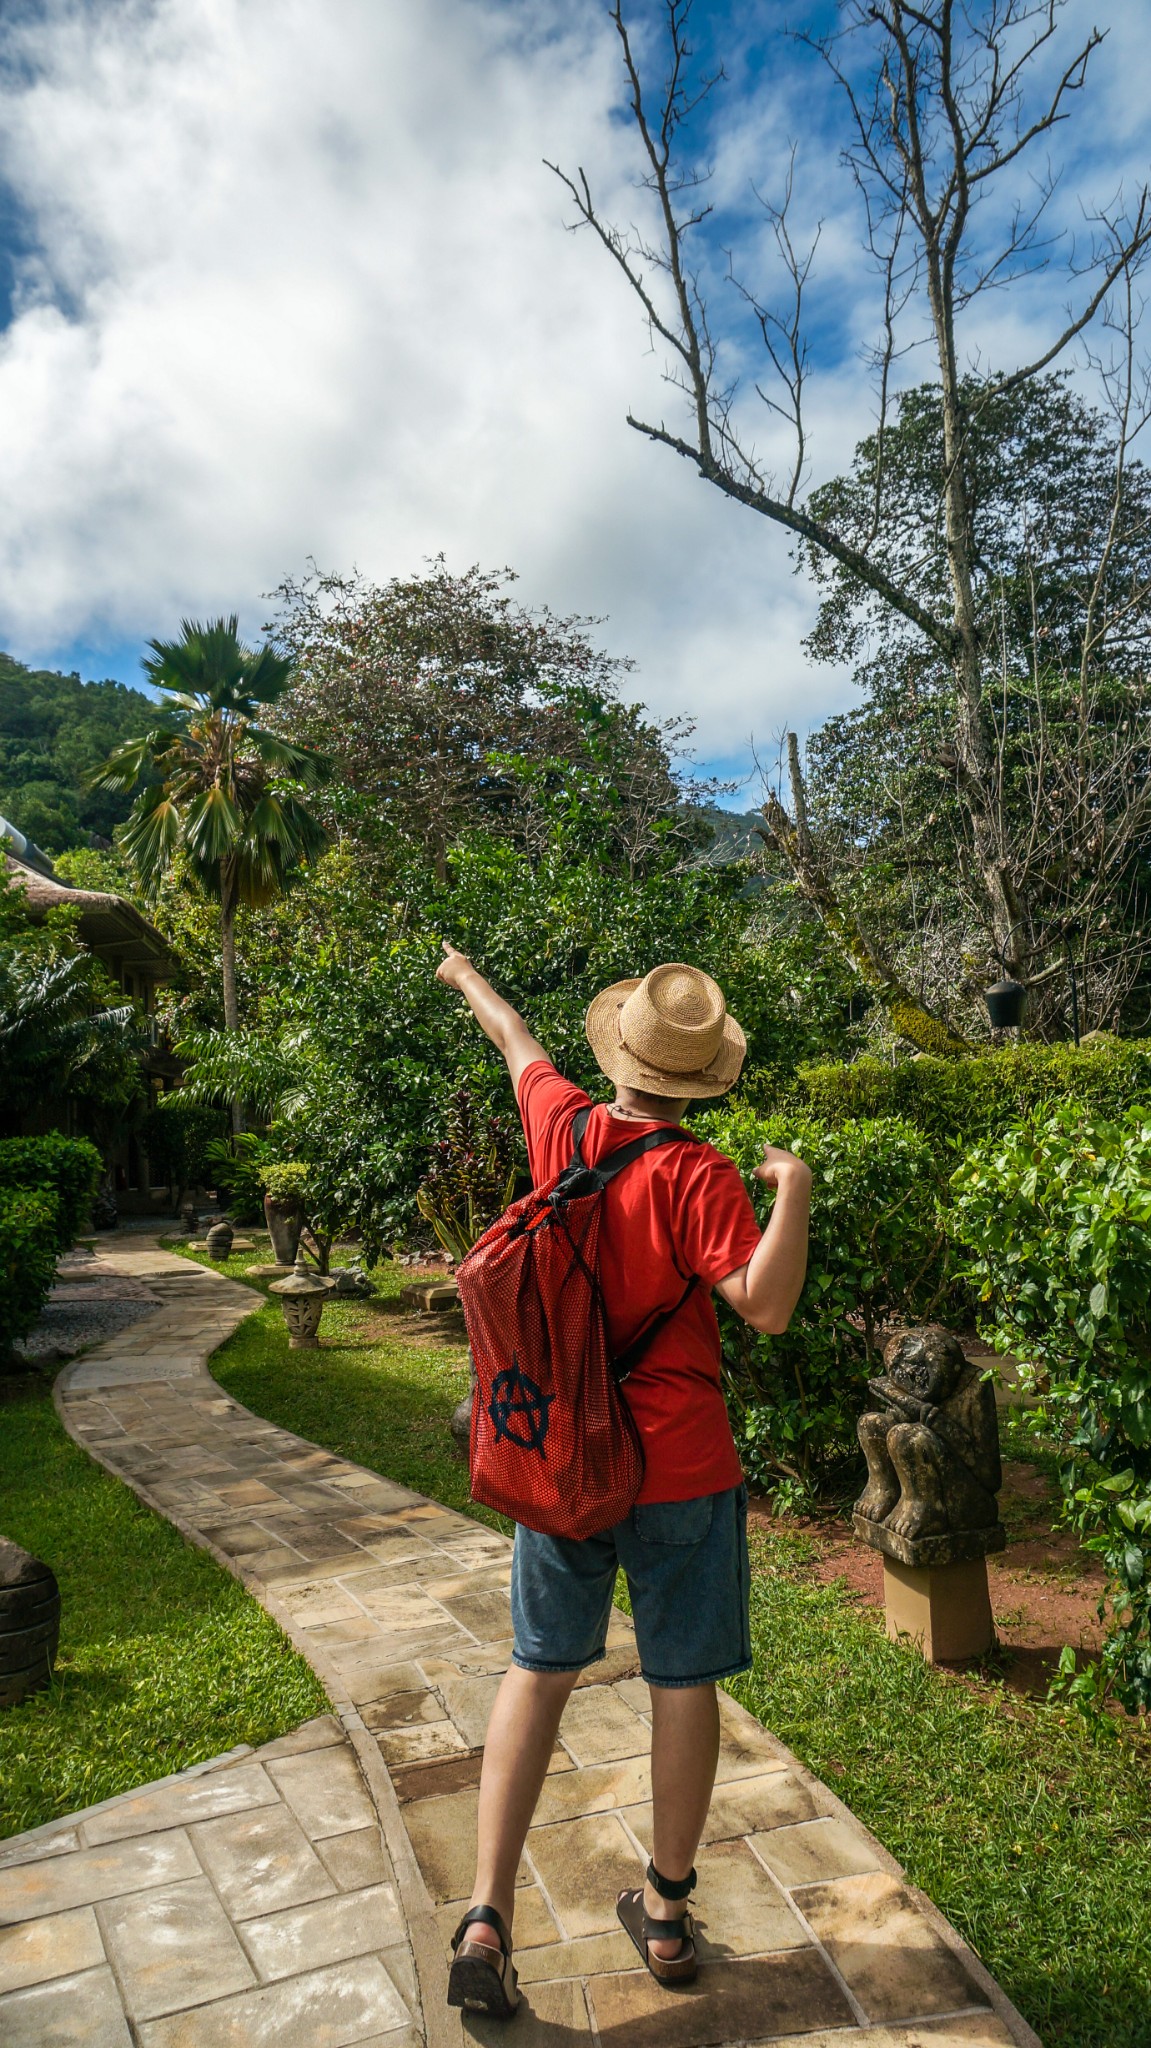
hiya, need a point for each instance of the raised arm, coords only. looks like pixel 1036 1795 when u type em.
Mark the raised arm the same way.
pixel 765 1291
pixel 503 1025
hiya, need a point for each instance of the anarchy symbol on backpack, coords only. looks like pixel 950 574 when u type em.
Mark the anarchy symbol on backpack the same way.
pixel 516 1397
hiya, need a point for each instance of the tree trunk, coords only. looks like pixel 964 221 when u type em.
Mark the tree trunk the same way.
pixel 228 965
pixel 910 1017
pixel 976 763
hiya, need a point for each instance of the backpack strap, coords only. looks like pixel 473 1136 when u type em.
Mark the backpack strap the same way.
pixel 600 1176
pixel 668 1134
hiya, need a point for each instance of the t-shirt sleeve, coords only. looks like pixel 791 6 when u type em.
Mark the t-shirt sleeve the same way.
pixel 718 1226
pixel 547 1104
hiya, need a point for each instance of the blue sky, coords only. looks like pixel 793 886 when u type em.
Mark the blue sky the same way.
pixel 281 280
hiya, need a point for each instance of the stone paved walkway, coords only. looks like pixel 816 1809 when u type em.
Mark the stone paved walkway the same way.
pixel 303 1895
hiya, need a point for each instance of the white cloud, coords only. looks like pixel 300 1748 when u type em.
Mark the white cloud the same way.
pixel 301 288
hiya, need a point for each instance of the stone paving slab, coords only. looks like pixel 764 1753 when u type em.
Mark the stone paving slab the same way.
pixel 305 1893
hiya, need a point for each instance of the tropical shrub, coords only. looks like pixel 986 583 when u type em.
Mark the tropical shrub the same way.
pixel 68 1169
pixel 29 1235
pixel 232 1166
pixel 878 1256
pixel 1055 1219
pixel 471 1176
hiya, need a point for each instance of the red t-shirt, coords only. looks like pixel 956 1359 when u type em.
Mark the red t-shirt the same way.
pixel 680 1210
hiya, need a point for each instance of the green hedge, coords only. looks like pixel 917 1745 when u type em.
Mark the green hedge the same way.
pixel 29 1233
pixel 1055 1219
pixel 965 1100
pixel 878 1255
pixel 68 1168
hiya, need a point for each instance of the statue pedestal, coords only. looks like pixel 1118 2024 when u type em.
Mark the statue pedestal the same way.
pixel 945 1609
pixel 935 1588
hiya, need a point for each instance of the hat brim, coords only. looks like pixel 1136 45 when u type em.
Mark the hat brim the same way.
pixel 613 1059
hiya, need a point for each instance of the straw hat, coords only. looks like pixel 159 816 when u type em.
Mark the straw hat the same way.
pixel 668 1034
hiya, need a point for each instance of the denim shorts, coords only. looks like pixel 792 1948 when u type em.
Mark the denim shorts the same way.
pixel 687 1573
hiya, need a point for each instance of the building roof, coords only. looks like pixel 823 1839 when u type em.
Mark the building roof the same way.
pixel 107 924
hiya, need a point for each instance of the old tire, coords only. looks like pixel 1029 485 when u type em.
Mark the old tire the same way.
pixel 29 1623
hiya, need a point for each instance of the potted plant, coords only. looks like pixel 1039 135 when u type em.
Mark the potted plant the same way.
pixel 284 1183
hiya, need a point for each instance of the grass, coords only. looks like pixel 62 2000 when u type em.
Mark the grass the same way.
pixel 370 1395
pixel 164 1659
pixel 1032 1839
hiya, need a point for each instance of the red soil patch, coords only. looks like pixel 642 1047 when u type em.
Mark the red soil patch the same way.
pixel 1044 1589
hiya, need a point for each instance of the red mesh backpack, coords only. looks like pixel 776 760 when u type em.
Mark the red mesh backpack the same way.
pixel 553 1442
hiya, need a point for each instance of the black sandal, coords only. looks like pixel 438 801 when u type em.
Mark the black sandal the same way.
pixel 680 1969
pixel 476 1979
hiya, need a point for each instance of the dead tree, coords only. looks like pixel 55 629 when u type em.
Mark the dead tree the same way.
pixel 939 98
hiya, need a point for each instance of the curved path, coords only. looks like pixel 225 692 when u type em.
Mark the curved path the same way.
pixel 302 1895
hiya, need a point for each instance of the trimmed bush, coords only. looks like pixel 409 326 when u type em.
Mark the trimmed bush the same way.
pixel 878 1255
pixel 68 1168
pixel 29 1236
pixel 960 1101
pixel 1056 1219
pixel 285 1180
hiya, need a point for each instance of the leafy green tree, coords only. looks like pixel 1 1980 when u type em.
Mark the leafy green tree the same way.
pixel 1057 554
pixel 54 730
pixel 359 1051
pixel 447 705
pixel 948 113
pixel 217 782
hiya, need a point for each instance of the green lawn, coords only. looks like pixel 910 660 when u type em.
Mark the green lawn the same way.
pixel 164 1659
pixel 1033 1840
pixel 370 1395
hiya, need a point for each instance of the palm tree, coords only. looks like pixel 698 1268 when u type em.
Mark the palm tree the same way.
pixel 214 779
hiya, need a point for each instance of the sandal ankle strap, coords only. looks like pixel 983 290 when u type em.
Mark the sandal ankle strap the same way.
pixel 682 1929
pixel 670 1887
pixel 490 1918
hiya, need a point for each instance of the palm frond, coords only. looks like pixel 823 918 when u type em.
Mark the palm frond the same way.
pixel 301 764
pixel 225 1064
pixel 126 763
pixel 152 835
pixel 213 826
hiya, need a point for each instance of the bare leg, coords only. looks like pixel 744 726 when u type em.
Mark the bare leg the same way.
pixel 684 1754
pixel 517 1751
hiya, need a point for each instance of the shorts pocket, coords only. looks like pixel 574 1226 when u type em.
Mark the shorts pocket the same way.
pixel 674 1521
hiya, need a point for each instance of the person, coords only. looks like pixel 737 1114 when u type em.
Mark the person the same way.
pixel 663 1041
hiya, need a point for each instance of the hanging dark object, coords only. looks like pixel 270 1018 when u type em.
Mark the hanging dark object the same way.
pixel 1005 1002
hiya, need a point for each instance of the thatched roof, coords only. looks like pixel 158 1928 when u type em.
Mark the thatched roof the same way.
pixel 107 924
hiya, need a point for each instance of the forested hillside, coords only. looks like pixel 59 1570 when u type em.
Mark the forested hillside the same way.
pixel 53 730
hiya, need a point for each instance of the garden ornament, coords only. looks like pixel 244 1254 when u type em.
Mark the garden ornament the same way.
pixel 932 1452
pixel 29 1623
pixel 218 1242
pixel 302 1297
pixel 350 1280
pixel 668 1034
pixel 1006 1001
pixel 933 1467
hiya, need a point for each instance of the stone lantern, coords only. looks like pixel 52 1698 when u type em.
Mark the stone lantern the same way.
pixel 302 1297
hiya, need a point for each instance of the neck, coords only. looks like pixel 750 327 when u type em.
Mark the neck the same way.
pixel 655 1108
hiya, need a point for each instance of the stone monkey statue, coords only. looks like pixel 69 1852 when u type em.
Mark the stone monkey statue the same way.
pixel 933 1449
